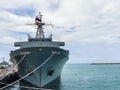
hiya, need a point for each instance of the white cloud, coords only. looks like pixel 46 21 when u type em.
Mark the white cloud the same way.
pixel 69 13
pixel 8 40
pixel 95 21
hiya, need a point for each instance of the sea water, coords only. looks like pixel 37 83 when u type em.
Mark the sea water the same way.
pixel 87 77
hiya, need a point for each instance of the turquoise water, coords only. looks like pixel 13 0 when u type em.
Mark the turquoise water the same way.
pixel 88 77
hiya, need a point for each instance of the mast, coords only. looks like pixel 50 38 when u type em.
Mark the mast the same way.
pixel 40 32
pixel 38 22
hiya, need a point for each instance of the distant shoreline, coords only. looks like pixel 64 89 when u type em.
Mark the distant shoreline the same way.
pixel 105 63
pixel 93 64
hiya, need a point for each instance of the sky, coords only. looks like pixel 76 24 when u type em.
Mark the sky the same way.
pixel 90 28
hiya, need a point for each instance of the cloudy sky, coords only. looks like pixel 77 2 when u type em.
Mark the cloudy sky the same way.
pixel 90 28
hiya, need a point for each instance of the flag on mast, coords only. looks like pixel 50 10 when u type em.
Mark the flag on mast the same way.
pixel 38 19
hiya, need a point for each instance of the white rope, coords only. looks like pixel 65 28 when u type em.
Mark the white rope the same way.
pixel 29 73
pixel 33 88
pixel 14 66
pixel 20 61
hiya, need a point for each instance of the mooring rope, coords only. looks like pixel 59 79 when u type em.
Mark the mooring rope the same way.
pixel 14 66
pixel 29 73
pixel 20 61
pixel 27 87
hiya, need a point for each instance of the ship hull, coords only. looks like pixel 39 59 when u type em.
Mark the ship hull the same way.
pixel 50 61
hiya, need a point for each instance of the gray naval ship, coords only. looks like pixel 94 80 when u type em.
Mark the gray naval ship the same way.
pixel 40 60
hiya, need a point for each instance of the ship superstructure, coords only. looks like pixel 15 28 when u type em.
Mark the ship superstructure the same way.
pixel 40 60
